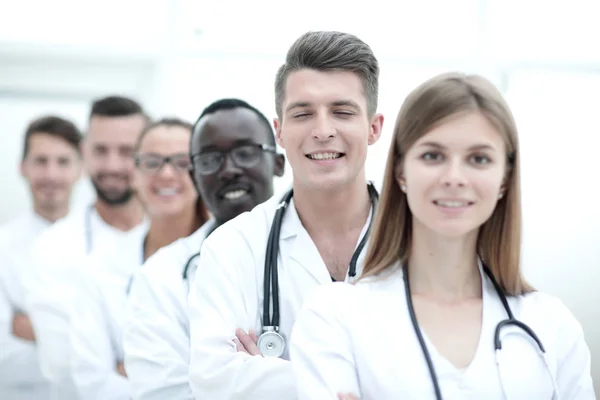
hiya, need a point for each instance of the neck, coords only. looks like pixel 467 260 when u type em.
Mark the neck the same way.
pixel 123 217
pixel 333 211
pixel 51 214
pixel 165 230
pixel 442 268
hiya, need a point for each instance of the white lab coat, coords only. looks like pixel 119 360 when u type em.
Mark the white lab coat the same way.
pixel 227 293
pixel 52 287
pixel 156 337
pixel 20 376
pixel 359 339
pixel 97 320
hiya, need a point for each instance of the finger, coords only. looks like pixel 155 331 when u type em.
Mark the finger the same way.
pixel 249 344
pixel 239 346
pixel 253 336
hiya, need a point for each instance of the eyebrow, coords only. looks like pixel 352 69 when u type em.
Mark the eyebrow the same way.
pixel 337 103
pixel 472 148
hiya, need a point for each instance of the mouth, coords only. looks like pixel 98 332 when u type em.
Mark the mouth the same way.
pixel 166 192
pixel 453 204
pixel 234 192
pixel 325 156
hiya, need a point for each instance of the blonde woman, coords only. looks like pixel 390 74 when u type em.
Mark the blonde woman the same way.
pixel 442 309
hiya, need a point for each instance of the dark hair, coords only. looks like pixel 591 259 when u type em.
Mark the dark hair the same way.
pixel 329 51
pixel 54 126
pixel 116 106
pixel 170 122
pixel 231 104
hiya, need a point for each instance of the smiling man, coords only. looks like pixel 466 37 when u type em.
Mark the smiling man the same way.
pixel 326 101
pixel 233 165
pixel 51 165
pixel 116 217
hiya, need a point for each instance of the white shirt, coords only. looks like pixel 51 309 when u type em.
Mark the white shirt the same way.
pixel 20 376
pixel 97 320
pixel 157 338
pixel 228 294
pixel 360 339
pixel 52 288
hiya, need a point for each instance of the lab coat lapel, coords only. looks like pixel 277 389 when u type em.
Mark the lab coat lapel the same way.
pixel 297 243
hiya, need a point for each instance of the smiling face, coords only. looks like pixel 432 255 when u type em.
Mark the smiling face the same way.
pixel 108 154
pixel 233 173
pixel 454 174
pixel 51 167
pixel 165 188
pixel 325 129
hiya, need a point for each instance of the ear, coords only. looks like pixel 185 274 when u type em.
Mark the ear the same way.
pixel 277 126
pixel 399 175
pixel 279 164
pixel 376 127
pixel 23 169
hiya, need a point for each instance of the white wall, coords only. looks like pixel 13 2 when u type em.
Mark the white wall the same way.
pixel 178 55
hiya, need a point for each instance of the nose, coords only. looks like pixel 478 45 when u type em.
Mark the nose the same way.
pixel 53 170
pixel 167 171
pixel 229 170
pixel 323 129
pixel 453 174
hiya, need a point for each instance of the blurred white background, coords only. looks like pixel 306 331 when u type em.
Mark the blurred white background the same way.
pixel 176 56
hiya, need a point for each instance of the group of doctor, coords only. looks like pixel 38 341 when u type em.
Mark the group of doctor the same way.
pixel 187 278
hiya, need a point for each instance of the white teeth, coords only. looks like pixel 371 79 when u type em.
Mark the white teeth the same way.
pixel 451 203
pixel 324 156
pixel 235 194
pixel 167 192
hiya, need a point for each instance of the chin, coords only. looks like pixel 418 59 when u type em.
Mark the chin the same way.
pixel 453 229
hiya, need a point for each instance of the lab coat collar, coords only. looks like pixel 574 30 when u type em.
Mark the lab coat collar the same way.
pixel 303 249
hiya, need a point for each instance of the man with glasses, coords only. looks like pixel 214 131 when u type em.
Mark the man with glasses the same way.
pixel 234 160
pixel 163 184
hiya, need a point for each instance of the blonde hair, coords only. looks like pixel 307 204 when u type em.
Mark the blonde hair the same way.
pixel 499 240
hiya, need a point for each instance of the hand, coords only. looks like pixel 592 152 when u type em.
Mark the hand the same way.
pixel 21 327
pixel 246 342
pixel 121 369
pixel 347 396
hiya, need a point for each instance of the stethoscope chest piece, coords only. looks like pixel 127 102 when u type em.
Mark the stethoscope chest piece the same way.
pixel 271 343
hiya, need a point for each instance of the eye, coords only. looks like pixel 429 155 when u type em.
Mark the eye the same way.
pixel 480 159
pixel 432 156
pixel 300 115
pixel 345 114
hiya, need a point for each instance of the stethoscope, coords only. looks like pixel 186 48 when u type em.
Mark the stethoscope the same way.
pixel 271 343
pixel 511 320
pixel 188 264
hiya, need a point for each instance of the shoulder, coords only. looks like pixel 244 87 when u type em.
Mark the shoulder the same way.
pixel 551 319
pixel 546 307
pixel 332 299
pixel 170 260
pixel 61 233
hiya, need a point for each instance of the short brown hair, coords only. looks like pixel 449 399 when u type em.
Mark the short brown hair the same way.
pixel 327 51
pixel 54 126
pixel 433 102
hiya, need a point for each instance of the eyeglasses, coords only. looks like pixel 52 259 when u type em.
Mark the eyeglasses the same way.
pixel 244 156
pixel 153 163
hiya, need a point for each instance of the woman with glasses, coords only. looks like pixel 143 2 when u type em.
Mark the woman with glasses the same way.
pixel 163 184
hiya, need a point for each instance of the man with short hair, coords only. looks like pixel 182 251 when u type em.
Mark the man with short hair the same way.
pixel 326 101
pixel 116 217
pixel 234 162
pixel 50 165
